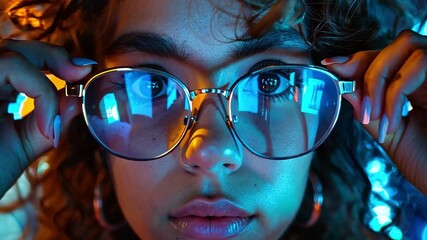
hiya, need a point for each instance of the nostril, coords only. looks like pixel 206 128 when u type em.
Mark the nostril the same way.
pixel 231 167
pixel 228 165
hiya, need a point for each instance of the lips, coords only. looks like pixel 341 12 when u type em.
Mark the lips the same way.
pixel 210 219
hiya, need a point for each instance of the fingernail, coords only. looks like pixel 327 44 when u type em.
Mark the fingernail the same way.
pixel 366 110
pixel 56 130
pixel 383 128
pixel 48 133
pixel 406 108
pixel 335 60
pixel 81 62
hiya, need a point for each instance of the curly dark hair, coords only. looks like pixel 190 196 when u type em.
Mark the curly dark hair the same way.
pixel 330 27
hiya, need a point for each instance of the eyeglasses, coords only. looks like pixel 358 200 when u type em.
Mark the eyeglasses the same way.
pixel 277 112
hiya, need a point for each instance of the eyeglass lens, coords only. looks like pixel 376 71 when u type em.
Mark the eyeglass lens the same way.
pixel 284 112
pixel 276 113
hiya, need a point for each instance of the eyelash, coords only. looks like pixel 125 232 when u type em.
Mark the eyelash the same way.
pixel 283 96
pixel 257 66
pixel 117 85
pixel 121 86
pixel 265 63
pixel 272 62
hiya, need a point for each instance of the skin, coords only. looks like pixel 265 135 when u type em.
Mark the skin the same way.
pixel 386 76
pixel 218 166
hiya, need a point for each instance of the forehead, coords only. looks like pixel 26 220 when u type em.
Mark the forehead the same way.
pixel 205 30
pixel 200 19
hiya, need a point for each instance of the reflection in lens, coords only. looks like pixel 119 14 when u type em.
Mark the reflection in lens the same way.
pixel 292 117
pixel 135 110
pixel 108 108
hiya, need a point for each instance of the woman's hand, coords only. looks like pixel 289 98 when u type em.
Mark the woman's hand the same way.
pixel 22 141
pixel 385 80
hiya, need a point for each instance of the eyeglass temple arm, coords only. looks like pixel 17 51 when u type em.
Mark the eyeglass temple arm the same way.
pixel 73 90
pixel 347 86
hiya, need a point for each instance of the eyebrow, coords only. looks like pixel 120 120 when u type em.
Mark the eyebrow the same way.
pixel 287 39
pixel 151 43
pixel 164 46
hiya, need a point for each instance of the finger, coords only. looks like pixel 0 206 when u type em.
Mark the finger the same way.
pixel 353 68
pixel 17 71
pixel 8 93
pixel 69 108
pixel 386 65
pixel 409 78
pixel 49 57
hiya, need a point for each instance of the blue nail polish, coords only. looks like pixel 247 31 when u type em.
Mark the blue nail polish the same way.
pixel 81 62
pixel 382 131
pixel 366 110
pixel 56 130
pixel 407 107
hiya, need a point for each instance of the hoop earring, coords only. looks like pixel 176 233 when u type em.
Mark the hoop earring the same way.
pixel 98 204
pixel 317 188
pixel 183 164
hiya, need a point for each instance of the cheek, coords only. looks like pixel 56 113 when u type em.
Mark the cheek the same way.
pixel 280 198
pixel 142 193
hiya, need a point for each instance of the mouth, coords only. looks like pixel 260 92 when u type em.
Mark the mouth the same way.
pixel 207 219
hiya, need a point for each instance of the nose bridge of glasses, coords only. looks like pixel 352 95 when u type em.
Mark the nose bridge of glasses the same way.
pixel 196 92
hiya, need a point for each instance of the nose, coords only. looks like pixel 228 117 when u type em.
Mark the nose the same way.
pixel 211 147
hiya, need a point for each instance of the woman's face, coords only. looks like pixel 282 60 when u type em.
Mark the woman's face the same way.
pixel 210 186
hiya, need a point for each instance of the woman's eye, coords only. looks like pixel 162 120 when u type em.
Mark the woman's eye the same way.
pixel 148 86
pixel 272 83
pixel 268 82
